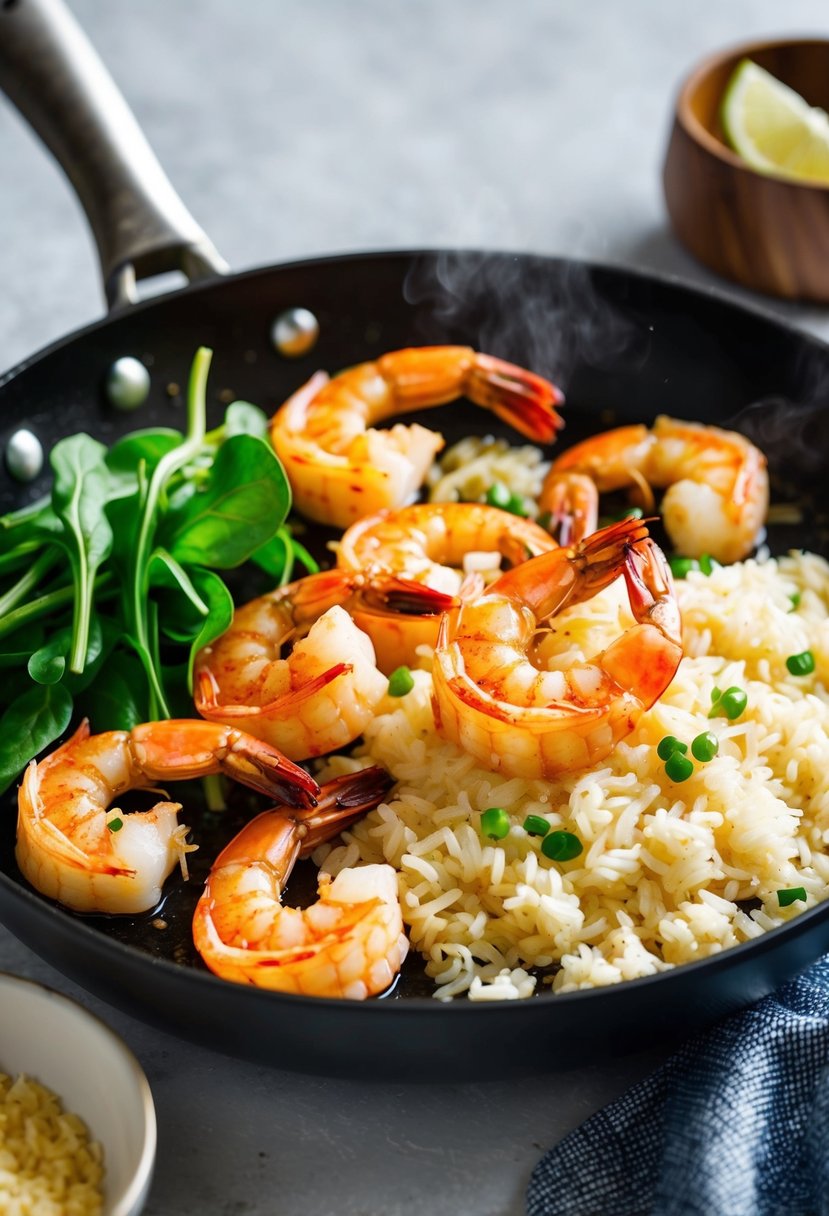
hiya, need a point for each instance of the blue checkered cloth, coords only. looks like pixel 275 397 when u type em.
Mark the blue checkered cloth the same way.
pixel 735 1124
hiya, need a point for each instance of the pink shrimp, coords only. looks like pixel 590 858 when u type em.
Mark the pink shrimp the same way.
pixel 350 943
pixel 493 701
pixel 341 468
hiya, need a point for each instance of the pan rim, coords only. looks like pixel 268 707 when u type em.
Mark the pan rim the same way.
pixel 109 946
pixel 112 948
pixel 709 291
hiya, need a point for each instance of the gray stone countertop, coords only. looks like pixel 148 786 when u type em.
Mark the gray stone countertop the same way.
pixel 295 130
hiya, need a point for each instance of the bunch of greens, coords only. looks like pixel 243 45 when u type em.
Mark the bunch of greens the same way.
pixel 108 587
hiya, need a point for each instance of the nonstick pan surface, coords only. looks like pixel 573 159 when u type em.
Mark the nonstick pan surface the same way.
pixel 624 346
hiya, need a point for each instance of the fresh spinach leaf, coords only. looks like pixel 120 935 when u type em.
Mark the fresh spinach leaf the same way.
pixel 47 663
pixel 242 418
pixel 148 446
pixel 244 501
pixel 279 555
pixel 117 700
pixel 79 496
pixel 29 725
pixel 165 572
pixel 137 454
pixel 219 616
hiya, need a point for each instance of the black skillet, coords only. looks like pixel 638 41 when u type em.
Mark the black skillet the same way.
pixel 624 346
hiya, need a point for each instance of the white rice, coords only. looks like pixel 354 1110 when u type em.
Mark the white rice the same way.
pixel 469 468
pixel 666 868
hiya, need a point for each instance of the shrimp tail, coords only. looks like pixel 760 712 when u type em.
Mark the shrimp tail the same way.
pixel 521 398
pixel 570 501
pixel 551 581
pixel 342 801
pixel 406 596
pixel 265 769
pixel 183 749
pixel 650 590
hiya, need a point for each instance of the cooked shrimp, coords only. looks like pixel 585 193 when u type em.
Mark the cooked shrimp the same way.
pixel 323 694
pixel 571 502
pixel 718 489
pixel 444 546
pixel 71 849
pixel 350 943
pixel 341 468
pixel 493 701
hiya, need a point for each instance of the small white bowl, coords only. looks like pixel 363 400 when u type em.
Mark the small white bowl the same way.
pixel 54 1040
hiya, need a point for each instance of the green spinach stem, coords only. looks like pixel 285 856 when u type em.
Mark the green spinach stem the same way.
pixel 15 594
pixel 45 603
pixel 166 467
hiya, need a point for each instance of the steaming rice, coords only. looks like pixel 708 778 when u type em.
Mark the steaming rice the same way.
pixel 48 1167
pixel 469 468
pixel 669 872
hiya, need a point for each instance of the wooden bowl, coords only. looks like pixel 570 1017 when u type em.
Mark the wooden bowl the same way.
pixel 768 233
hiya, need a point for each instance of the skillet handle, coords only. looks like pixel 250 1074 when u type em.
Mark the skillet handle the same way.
pixel 53 75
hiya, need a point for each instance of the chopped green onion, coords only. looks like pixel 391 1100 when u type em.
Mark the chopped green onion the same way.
pixel 515 505
pixel 708 564
pixel 789 896
pixel 401 681
pixel 667 746
pixel 561 846
pixel 115 825
pixel 498 495
pixel 535 825
pixel 679 767
pixel 545 519
pixel 730 703
pixel 618 516
pixel 495 823
pixel 795 600
pixel 681 566
pixel 705 747
pixel 716 693
pixel 802 664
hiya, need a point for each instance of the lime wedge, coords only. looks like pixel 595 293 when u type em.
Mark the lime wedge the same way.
pixel 772 128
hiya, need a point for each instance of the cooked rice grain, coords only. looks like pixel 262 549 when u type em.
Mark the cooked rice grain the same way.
pixel 669 872
pixel 48 1165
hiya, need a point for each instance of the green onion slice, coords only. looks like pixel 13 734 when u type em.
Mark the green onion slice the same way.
pixel 495 823
pixel 401 681
pixel 705 747
pixel 561 846
pixel 679 767
pixel 791 895
pixel 802 664
pixel 682 566
pixel 115 825
pixel 729 704
pixel 535 825
pixel 667 746
pixel 498 496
